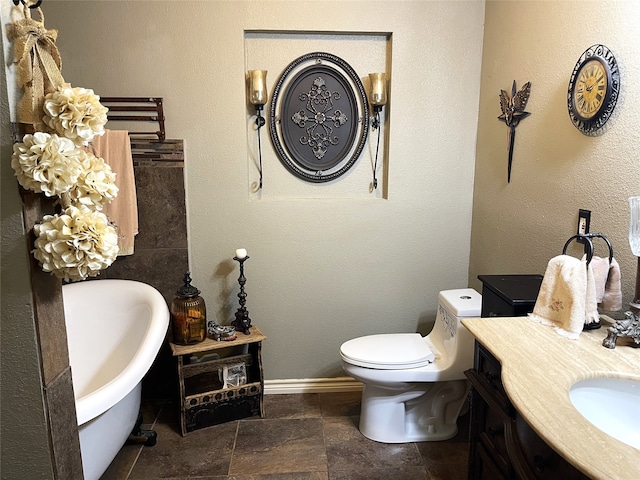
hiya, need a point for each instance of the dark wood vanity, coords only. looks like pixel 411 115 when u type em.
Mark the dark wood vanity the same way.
pixel 502 444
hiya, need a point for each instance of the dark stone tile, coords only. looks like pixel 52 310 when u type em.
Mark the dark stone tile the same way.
pixel 293 443
pixel 205 452
pixel 279 446
pixel 122 463
pixel 169 413
pixel 437 453
pixel 448 471
pixel 448 460
pixel 292 406
pixel 162 220
pixel 282 476
pixel 163 269
pixel 152 410
pixel 348 449
pixel 340 404
pixel 396 473
pixel 452 451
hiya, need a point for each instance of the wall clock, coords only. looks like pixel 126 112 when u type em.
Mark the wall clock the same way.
pixel 318 117
pixel 593 89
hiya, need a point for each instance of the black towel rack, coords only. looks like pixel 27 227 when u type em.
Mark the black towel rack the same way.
pixel 587 240
pixel 35 5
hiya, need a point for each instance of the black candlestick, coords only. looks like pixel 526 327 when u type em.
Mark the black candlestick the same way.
pixel 242 323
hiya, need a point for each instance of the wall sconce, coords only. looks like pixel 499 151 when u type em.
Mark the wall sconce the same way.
pixel 258 98
pixel 378 101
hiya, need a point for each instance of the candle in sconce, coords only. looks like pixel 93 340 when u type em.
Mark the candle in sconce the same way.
pixel 241 253
pixel 258 87
pixel 378 88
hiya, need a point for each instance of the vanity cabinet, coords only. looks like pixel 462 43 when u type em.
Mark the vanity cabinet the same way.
pixel 502 444
pixel 204 400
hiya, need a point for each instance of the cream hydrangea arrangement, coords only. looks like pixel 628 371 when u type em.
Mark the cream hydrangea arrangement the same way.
pixel 46 163
pixel 96 183
pixel 75 113
pixel 80 241
pixel 75 244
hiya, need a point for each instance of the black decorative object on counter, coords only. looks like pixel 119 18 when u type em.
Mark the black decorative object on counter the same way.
pixel 242 323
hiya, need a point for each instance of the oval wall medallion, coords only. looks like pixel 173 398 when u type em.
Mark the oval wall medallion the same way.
pixel 318 117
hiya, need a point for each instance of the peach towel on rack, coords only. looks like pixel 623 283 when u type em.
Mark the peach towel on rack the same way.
pixel 115 148
pixel 608 283
pixel 612 299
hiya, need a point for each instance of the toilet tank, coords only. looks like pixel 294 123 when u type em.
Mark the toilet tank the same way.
pixel 452 343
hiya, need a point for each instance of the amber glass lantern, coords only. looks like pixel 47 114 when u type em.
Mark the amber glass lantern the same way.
pixel 188 315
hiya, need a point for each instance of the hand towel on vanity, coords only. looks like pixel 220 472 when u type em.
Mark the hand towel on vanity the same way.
pixel 612 299
pixel 115 148
pixel 591 305
pixel 600 272
pixel 607 282
pixel 561 302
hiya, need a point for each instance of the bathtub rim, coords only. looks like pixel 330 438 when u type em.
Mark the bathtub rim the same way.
pixel 93 404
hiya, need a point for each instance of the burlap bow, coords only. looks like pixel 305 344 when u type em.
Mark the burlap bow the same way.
pixel 39 66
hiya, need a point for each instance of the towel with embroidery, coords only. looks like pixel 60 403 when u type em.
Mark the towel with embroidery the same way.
pixel 562 299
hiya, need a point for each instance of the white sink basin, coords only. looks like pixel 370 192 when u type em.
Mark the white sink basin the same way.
pixel 612 405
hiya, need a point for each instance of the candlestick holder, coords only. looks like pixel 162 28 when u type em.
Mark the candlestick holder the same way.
pixel 242 323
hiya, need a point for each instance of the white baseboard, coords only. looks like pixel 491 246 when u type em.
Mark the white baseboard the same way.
pixel 311 385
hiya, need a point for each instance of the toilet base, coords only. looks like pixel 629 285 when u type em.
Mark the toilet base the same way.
pixel 422 413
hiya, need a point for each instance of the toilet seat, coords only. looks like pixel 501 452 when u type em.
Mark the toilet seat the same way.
pixel 392 351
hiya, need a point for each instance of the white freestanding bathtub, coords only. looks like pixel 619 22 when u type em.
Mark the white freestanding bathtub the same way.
pixel 114 331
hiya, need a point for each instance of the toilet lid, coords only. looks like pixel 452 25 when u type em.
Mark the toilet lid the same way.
pixel 393 351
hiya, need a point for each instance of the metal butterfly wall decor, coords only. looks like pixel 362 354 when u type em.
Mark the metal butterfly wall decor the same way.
pixel 512 112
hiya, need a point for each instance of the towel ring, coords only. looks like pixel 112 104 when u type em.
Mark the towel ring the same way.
pixel 35 5
pixel 599 235
pixel 588 246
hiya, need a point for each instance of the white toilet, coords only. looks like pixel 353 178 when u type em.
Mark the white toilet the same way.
pixel 414 386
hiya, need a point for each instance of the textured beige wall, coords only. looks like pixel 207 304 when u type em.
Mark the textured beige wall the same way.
pixel 322 270
pixel 557 170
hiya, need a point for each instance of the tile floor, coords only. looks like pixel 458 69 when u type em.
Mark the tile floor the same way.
pixel 302 437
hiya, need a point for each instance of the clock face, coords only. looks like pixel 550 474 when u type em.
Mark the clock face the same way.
pixel 593 90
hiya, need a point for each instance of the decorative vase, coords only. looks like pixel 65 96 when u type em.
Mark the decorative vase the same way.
pixel 188 315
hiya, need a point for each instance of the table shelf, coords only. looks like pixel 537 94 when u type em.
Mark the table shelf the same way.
pixel 203 399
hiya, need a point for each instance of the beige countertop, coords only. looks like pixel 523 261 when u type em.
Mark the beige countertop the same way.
pixel 538 368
